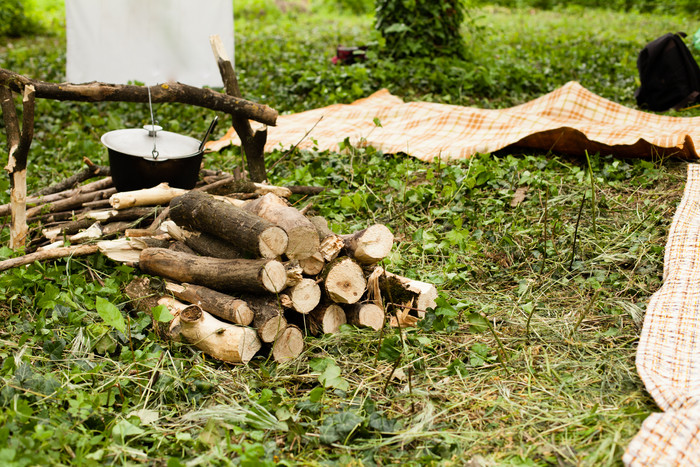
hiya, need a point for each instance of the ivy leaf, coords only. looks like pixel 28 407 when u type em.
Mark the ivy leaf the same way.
pixel 381 423
pixel 162 314
pixel 110 314
pixel 125 428
pixel 339 426
pixel 330 378
pixel 477 322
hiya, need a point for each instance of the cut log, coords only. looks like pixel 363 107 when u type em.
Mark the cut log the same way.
pixel 303 238
pixel 268 318
pixel 203 243
pixel 295 273
pixel 181 247
pixel 366 315
pixel 120 250
pixel 144 299
pixel 248 275
pixel 313 265
pixel 160 194
pixel 202 212
pixel 223 341
pixel 344 281
pixel 289 345
pixel 305 296
pixel 218 304
pixel 326 319
pixel 370 245
pixel 331 244
pixel 401 291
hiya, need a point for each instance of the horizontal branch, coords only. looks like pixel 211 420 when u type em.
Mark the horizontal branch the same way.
pixel 166 92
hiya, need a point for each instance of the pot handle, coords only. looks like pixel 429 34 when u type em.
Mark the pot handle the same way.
pixel 206 135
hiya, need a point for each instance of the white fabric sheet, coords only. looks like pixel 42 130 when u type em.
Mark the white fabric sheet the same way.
pixel 147 41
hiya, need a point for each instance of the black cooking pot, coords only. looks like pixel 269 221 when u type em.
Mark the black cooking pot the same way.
pixel 145 157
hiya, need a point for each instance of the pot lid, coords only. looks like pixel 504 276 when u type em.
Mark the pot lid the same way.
pixel 140 142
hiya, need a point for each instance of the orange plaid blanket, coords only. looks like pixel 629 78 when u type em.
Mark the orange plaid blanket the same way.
pixel 569 120
pixel 668 356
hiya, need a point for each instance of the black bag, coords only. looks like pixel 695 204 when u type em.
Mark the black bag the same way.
pixel 669 75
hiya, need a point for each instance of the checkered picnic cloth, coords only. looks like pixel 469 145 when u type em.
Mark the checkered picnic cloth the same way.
pixel 570 120
pixel 668 356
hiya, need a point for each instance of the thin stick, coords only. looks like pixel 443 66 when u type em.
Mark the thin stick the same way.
pixel 593 200
pixel 578 219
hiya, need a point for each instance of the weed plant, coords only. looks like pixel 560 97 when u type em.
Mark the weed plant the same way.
pixel 528 359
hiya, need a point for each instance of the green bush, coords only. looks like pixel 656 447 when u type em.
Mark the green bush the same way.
pixel 421 28
pixel 14 21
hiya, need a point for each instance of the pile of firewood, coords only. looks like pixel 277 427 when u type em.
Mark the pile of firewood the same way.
pixel 244 271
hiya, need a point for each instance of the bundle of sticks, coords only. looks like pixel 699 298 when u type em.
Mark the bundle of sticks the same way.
pixel 244 271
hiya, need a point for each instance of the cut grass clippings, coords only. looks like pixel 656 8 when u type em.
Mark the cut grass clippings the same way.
pixel 563 292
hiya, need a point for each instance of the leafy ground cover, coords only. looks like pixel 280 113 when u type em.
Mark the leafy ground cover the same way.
pixel 527 360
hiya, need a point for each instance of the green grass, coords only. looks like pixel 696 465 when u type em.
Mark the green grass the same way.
pixel 554 383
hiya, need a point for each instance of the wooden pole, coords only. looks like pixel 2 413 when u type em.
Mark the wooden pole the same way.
pixel 253 142
pixel 19 143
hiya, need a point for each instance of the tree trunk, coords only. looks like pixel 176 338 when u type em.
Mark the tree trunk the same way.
pixel 344 281
pixel 223 341
pixel 303 238
pixel 248 275
pixel 202 212
pixel 218 304
pixel 366 315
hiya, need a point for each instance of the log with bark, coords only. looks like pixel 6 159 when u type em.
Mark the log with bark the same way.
pixel 288 345
pixel 303 297
pixel 248 275
pixel 218 304
pixel 246 231
pixel 404 292
pixel 303 239
pixel 366 315
pixel 371 245
pixel 252 142
pixel 268 318
pixel 326 319
pixel 166 92
pixel 223 341
pixel 160 194
pixel 203 243
pixel 330 243
pixel 46 255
